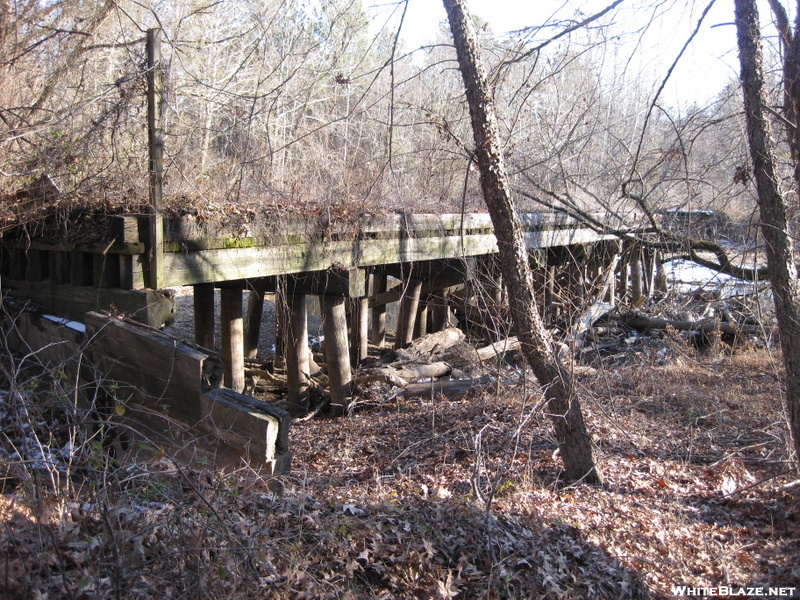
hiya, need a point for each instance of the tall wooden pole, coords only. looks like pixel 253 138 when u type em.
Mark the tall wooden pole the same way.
pixel 156 151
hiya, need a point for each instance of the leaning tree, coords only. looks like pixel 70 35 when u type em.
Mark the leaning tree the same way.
pixel 575 444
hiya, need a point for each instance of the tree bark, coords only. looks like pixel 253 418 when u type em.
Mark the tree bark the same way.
pixel 575 444
pixel 772 205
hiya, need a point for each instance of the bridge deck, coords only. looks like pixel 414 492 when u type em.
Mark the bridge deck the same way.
pixel 384 240
pixel 56 274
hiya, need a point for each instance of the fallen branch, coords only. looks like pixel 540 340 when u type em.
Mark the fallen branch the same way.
pixel 402 377
pixel 265 374
pixel 638 321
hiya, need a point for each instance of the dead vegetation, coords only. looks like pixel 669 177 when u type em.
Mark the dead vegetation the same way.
pixel 416 497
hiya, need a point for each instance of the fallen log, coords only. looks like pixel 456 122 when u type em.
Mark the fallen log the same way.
pixel 402 377
pixel 499 347
pixel 638 321
pixel 584 323
pixel 425 348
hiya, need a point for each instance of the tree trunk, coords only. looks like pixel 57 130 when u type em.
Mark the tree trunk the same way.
pixel 772 206
pixel 575 444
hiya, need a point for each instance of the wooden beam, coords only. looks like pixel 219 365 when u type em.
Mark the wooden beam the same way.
pixel 337 355
pixel 350 283
pixel 232 338
pixel 154 368
pixel 151 307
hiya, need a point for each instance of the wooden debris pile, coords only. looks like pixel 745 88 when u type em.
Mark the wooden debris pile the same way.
pixel 698 321
pixel 440 364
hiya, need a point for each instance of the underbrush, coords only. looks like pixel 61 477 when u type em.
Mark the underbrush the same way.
pixel 418 498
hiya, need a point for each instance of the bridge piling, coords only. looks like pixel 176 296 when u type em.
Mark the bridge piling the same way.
pixel 204 318
pixel 252 324
pixel 378 286
pixel 232 338
pixel 337 353
pixel 298 358
pixel 407 316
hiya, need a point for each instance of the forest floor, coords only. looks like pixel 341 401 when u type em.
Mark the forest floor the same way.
pixel 430 498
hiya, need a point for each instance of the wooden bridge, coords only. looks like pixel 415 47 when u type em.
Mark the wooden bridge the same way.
pixel 421 262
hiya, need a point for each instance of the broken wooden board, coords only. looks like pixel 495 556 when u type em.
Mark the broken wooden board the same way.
pixel 254 428
pixel 150 367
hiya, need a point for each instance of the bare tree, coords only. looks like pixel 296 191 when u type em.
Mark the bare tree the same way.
pixel 771 200
pixel 575 444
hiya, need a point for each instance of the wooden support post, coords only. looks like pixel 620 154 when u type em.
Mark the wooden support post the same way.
pixel 622 283
pixel 408 314
pixel 37 265
pixel 81 269
pixel 379 286
pixel 19 264
pixel 204 315
pixel 232 338
pixel 440 310
pixel 490 278
pixel 281 324
pixel 298 364
pixel 549 293
pixel 636 276
pixel 610 282
pixel 359 329
pixel 649 267
pixel 421 325
pixel 59 267
pixel 106 271
pixel 156 151
pixel 337 355
pixel 252 324
pixel 661 275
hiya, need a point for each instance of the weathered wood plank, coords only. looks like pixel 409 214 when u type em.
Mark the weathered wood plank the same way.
pixel 247 263
pixel 151 307
pixel 149 366
pixel 249 426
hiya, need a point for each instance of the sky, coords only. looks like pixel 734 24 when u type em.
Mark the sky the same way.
pixel 706 67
